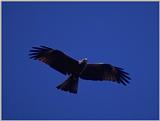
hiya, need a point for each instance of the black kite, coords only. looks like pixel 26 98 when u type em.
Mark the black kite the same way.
pixel 77 69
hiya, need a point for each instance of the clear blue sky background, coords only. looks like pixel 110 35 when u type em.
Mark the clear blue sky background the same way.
pixel 122 34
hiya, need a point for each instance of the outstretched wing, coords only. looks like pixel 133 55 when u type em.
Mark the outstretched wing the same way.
pixel 55 59
pixel 105 72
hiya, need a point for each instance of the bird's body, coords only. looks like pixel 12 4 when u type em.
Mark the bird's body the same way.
pixel 77 69
pixel 71 84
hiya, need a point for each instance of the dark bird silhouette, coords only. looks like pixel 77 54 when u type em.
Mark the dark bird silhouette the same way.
pixel 77 69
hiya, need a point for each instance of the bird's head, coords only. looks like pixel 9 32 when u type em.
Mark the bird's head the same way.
pixel 83 61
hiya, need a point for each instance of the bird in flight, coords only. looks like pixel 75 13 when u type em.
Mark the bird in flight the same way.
pixel 66 65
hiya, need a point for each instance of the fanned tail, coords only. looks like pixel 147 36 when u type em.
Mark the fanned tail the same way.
pixel 71 84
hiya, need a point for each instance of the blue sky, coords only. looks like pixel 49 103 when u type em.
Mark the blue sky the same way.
pixel 121 34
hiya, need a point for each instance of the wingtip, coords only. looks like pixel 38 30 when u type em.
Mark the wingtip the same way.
pixel 124 83
pixel 119 68
pixel 45 47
